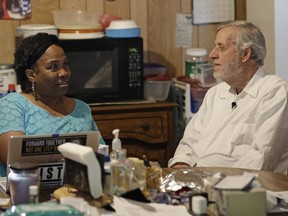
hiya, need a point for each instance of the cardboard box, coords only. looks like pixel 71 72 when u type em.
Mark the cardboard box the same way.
pixel 239 203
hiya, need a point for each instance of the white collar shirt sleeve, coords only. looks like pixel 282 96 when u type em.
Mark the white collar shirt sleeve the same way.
pixel 253 135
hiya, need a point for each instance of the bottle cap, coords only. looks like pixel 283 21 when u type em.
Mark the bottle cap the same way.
pixel 11 88
pixel 33 190
pixel 106 158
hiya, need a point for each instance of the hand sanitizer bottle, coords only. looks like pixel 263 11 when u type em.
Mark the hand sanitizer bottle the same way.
pixel 121 172
pixel 116 145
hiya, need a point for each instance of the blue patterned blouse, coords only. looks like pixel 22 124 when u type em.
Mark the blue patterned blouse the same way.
pixel 19 114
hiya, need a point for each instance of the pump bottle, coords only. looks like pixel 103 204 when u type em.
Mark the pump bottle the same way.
pixel 116 145
pixel 121 172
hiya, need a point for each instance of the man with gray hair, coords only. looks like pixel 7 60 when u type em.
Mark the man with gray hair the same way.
pixel 243 121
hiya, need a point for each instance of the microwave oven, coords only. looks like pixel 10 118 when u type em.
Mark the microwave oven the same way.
pixel 105 69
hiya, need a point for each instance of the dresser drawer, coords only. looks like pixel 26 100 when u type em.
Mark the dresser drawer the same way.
pixel 149 127
pixel 146 128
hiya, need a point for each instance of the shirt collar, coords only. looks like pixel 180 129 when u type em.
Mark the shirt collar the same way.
pixel 251 88
pixel 254 84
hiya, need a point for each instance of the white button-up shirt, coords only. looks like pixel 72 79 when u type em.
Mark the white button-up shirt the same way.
pixel 253 134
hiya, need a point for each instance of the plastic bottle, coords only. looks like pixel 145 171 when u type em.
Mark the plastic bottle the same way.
pixel 116 145
pixel 33 194
pixel 194 56
pixel 121 173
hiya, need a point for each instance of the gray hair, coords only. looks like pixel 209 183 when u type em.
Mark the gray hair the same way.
pixel 250 36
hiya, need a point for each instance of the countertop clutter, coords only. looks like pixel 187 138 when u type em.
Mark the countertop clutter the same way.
pixel 184 190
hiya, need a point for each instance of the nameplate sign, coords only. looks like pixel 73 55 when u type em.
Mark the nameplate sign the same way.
pixel 51 175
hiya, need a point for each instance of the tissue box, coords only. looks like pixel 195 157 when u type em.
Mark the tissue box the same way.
pixel 239 203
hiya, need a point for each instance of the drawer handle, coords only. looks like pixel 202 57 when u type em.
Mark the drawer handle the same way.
pixel 145 126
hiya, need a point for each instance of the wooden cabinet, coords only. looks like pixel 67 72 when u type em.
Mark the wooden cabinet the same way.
pixel 145 129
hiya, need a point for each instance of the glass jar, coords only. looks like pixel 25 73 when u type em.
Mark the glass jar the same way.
pixel 194 56
pixel 21 177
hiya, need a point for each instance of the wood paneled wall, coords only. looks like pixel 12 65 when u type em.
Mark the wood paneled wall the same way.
pixel 157 19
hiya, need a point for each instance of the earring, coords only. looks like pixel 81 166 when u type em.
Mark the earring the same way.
pixel 33 86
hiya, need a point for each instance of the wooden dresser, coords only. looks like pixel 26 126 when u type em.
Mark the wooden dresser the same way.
pixel 145 129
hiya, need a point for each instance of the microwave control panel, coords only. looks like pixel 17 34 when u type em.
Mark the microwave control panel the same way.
pixel 135 65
